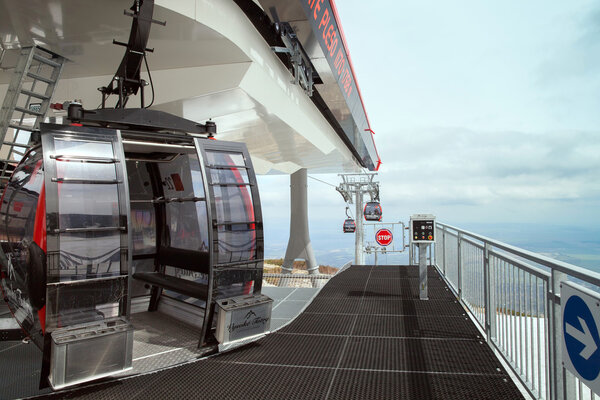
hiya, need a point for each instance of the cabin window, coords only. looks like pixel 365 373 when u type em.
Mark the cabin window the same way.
pixel 234 206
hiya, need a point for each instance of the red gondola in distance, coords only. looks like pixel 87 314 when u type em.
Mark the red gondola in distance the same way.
pixel 349 226
pixel 373 211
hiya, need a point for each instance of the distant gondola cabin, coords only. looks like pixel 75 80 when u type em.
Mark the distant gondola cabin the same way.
pixel 373 211
pixel 349 226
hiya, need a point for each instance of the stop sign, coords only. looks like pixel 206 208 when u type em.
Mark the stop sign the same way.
pixel 383 237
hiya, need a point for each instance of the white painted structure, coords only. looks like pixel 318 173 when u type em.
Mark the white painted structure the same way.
pixel 210 62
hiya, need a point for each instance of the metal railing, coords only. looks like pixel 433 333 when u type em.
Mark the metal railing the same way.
pixel 297 280
pixel 301 280
pixel 514 297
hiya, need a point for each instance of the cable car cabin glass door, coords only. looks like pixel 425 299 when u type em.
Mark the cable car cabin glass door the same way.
pixel 87 236
pixel 236 218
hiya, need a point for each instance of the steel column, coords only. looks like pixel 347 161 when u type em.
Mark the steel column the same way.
pixel 423 295
pixel 299 245
pixel 359 255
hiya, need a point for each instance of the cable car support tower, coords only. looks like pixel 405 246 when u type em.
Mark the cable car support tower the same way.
pixel 353 188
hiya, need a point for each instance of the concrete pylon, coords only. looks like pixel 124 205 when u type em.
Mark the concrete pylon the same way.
pixel 299 246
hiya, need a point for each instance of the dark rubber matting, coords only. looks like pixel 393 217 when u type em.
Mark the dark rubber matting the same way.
pixel 365 336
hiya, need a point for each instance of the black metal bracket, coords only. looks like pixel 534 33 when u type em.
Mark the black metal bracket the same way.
pixel 127 80
pixel 302 68
pixel 139 119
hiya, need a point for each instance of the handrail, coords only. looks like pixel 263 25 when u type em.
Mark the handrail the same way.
pixel 515 304
pixel 570 269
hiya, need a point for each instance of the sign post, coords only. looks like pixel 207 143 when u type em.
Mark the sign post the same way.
pixel 422 232
pixel 580 318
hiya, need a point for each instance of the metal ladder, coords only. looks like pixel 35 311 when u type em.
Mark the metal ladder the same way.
pixel 26 103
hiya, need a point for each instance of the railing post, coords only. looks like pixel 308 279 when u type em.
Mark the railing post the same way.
pixel 562 384
pixel 459 266
pixel 488 295
pixel 444 250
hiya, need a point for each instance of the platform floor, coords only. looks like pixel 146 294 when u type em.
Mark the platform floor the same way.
pixel 159 342
pixel 364 336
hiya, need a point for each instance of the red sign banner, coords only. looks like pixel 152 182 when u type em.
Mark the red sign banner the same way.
pixel 384 237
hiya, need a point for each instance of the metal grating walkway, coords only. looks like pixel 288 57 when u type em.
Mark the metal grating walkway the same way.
pixel 365 336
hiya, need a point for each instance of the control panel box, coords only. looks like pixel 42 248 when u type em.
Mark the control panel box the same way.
pixel 422 228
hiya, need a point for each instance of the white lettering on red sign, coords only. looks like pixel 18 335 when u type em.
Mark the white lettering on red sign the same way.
pixel 384 237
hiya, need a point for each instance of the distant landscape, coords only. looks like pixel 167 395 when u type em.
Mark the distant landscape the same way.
pixel 576 245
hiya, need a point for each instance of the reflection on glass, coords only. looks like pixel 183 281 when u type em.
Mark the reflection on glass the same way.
pixel 83 302
pixel 75 169
pixel 143 226
pixel 74 147
pixel 238 245
pixel 88 206
pixel 17 222
pixel 185 231
pixel 138 179
pixel 196 175
pixel 88 255
pixel 224 158
pixel 176 178
pixel 231 175
pixel 234 204
pixel 236 281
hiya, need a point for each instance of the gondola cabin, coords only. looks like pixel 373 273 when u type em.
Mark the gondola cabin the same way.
pixel 373 211
pixel 104 227
pixel 349 226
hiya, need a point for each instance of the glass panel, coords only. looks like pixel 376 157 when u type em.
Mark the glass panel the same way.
pixel 138 179
pixel 85 206
pixel 176 177
pixel 230 175
pixel 75 169
pixel 187 221
pixel 224 158
pixel 236 243
pixel 88 255
pixel 74 147
pixel 197 181
pixel 184 229
pixel 138 288
pixel 143 226
pixel 20 201
pixel 234 204
pixel 17 222
pixel 193 276
pixel 83 302
pixel 236 281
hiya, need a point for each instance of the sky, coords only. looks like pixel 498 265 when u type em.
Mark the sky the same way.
pixel 484 113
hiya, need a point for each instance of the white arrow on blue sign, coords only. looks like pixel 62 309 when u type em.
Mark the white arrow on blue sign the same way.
pixel 581 339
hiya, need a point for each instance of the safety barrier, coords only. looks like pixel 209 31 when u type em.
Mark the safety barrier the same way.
pixel 297 280
pixel 514 297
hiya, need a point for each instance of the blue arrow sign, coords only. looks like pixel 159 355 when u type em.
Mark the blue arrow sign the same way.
pixel 581 337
